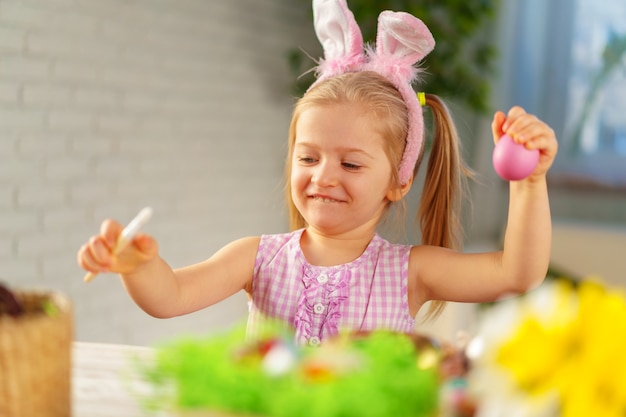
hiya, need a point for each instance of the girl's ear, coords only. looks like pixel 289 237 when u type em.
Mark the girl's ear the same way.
pixel 397 193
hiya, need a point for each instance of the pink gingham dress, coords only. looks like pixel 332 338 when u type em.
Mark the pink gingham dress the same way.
pixel 320 301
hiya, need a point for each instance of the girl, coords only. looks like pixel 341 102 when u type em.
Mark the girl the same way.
pixel 355 145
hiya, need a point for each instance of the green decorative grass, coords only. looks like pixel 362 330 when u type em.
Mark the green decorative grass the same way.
pixel 225 374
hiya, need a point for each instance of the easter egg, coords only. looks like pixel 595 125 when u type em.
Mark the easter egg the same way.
pixel 512 161
pixel 279 360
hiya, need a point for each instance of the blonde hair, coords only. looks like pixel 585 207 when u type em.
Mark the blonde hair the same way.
pixel 439 213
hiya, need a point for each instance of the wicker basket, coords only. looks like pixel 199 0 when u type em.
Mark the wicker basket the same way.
pixel 35 357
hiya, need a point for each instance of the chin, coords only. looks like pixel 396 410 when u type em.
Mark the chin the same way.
pixel 327 227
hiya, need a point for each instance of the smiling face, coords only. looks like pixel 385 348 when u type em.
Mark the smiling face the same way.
pixel 340 174
pixel 354 114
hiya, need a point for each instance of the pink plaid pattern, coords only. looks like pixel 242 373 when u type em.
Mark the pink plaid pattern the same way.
pixel 318 302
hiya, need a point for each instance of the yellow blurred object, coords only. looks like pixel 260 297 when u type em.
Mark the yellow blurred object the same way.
pixel 567 342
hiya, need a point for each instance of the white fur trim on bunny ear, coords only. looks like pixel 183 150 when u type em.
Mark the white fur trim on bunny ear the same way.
pixel 340 37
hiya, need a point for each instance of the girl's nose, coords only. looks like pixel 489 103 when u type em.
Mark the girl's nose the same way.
pixel 325 175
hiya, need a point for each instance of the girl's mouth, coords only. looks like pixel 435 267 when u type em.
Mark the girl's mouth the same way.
pixel 324 199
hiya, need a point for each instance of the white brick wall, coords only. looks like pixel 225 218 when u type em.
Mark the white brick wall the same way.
pixel 107 106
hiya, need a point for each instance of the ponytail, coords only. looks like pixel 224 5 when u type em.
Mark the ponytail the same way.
pixel 439 213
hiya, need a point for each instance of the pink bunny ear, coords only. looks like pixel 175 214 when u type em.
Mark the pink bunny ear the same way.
pixel 402 41
pixel 340 37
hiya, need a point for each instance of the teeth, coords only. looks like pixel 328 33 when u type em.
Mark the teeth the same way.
pixel 325 200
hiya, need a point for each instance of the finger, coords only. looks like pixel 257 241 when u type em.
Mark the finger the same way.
pixel 528 133
pixel 496 125
pixel 145 244
pixel 111 230
pixel 521 126
pixel 516 119
pixel 88 261
pixel 545 142
pixel 83 258
pixel 101 252
pixel 532 132
pixel 512 115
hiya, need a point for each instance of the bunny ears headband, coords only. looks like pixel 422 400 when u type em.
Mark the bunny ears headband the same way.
pixel 402 41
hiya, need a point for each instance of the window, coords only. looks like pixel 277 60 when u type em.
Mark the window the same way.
pixel 568 65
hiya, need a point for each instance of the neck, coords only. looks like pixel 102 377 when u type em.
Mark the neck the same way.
pixel 325 250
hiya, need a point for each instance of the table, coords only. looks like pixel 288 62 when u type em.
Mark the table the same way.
pixel 103 380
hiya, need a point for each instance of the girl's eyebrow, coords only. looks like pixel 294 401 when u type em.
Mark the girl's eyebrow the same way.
pixel 342 149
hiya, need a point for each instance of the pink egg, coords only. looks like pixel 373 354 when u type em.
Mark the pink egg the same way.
pixel 512 161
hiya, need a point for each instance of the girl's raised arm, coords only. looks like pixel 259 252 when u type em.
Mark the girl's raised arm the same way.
pixel 442 274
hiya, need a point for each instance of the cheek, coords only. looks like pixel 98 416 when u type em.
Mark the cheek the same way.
pixel 298 179
pixel 383 179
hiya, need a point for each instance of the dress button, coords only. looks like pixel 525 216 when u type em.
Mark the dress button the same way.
pixel 322 278
pixel 314 341
pixel 319 308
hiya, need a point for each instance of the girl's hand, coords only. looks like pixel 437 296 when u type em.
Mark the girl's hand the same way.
pixel 97 254
pixel 533 133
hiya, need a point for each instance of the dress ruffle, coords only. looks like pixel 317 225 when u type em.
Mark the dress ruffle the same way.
pixel 330 293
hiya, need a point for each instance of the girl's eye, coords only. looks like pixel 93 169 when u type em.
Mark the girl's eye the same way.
pixel 306 159
pixel 352 167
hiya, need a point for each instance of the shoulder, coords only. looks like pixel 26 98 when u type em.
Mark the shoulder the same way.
pixel 382 245
pixel 429 267
pixel 239 251
pixel 420 256
pixel 270 244
pixel 387 256
pixel 249 243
